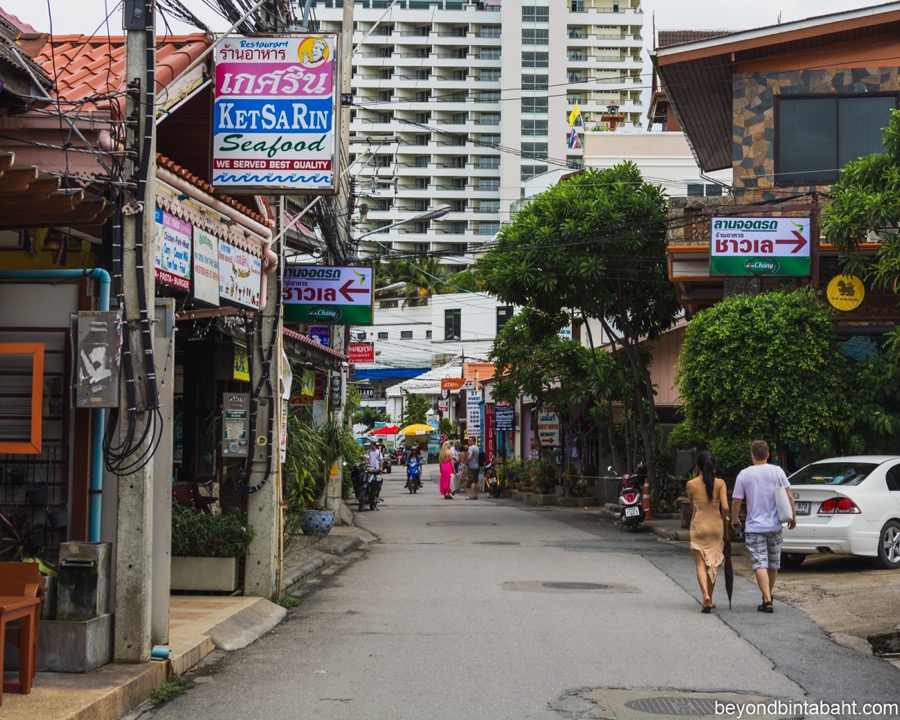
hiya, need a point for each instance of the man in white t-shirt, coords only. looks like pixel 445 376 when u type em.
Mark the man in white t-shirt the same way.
pixel 763 537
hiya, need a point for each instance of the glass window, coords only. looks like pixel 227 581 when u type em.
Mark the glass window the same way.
pixel 382 336
pixel 534 82
pixel 817 136
pixel 535 36
pixel 453 324
pixel 536 14
pixel 490 53
pixel 893 479
pixel 406 334
pixel 489 163
pixel 532 59
pixel 833 473
pixel 534 105
pixel 504 313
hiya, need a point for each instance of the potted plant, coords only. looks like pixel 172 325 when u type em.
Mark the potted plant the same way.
pixel 207 549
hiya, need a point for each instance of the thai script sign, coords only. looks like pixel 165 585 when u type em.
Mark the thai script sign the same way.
pixel 321 334
pixel 206 267
pixel 274 113
pixel 173 250
pixel 239 275
pixel 322 295
pixel 760 246
pixel 505 417
pixel 548 429
pixel 362 353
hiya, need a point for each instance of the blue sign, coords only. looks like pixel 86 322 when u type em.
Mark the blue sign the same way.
pixel 321 334
pixel 504 418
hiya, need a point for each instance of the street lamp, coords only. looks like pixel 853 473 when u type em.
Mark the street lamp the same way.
pixel 432 214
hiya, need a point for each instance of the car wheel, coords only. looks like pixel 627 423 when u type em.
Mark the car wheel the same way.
pixel 889 546
pixel 792 560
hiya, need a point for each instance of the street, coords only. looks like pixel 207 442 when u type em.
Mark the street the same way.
pixel 490 609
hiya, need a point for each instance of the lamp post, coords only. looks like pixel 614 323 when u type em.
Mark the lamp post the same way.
pixel 433 214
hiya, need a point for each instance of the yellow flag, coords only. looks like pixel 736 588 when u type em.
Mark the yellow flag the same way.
pixel 573 116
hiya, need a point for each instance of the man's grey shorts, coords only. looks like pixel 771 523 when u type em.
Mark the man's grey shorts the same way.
pixel 764 549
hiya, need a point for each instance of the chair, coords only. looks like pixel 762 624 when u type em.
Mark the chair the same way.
pixel 188 493
pixel 21 589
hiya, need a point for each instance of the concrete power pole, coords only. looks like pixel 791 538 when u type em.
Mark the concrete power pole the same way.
pixel 134 531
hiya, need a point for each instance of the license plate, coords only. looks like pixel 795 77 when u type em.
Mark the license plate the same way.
pixel 632 511
pixel 802 508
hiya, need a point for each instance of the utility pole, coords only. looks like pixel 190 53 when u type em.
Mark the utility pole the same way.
pixel 134 527
pixel 263 560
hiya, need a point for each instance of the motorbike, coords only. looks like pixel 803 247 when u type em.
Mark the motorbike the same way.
pixel 631 504
pixel 370 488
pixel 357 473
pixel 413 473
pixel 388 460
pixel 491 482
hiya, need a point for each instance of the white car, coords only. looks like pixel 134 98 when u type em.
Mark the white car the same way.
pixel 846 506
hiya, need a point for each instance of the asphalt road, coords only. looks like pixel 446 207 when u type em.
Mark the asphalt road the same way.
pixel 491 610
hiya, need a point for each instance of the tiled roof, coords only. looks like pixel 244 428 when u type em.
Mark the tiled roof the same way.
pixel 207 188
pixel 666 38
pixel 15 22
pixel 86 67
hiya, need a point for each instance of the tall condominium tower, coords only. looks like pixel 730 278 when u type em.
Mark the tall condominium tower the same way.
pixel 457 103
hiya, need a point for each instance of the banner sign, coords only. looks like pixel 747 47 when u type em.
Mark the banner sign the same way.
pixel 548 429
pixel 362 353
pixel 318 295
pixel 240 274
pixel 760 246
pixel 206 267
pixel 274 124
pixel 504 417
pixel 173 250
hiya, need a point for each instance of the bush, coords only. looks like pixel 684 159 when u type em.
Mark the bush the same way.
pixel 544 476
pixel 196 534
pixel 513 471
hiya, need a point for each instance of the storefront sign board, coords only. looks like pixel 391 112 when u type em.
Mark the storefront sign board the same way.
pixel 760 246
pixel 323 295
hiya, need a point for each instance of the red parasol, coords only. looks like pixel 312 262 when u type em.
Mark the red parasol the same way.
pixel 386 430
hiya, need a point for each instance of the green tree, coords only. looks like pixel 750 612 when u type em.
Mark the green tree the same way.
pixel 414 408
pixel 872 424
pixel 368 416
pixel 763 366
pixel 866 200
pixel 594 245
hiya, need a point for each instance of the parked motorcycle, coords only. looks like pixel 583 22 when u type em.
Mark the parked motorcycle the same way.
pixel 388 460
pixel 370 488
pixel 491 482
pixel 631 503
pixel 413 473
pixel 357 473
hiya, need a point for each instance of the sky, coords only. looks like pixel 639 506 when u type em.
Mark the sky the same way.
pixel 86 16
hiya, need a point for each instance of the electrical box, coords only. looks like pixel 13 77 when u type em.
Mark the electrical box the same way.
pixel 235 424
pixel 96 360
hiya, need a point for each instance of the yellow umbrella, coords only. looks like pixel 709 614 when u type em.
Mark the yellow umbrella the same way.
pixel 417 429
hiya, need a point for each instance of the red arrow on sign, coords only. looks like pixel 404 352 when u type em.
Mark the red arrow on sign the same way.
pixel 798 241
pixel 345 290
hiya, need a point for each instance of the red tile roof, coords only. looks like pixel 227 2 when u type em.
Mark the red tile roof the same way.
pixel 15 22
pixel 85 67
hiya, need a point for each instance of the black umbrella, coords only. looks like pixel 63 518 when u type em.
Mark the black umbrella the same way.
pixel 729 569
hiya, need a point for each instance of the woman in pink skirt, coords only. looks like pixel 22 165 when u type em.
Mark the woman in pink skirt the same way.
pixel 446 461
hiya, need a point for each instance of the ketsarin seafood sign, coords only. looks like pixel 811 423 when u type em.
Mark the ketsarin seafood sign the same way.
pixel 274 125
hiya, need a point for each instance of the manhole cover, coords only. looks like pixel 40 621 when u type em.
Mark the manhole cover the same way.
pixel 574 586
pixel 460 523
pixel 681 706
pixel 494 542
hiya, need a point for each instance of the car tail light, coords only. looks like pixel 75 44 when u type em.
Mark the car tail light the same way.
pixel 839 505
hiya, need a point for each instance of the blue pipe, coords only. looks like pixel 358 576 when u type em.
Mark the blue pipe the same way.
pixel 98 415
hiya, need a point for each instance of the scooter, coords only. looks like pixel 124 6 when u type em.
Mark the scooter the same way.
pixel 370 488
pixel 631 505
pixel 413 473
pixel 491 482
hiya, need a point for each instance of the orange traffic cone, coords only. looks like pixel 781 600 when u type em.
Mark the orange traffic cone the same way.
pixel 645 500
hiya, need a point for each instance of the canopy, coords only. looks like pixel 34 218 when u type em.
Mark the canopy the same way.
pixel 417 429
pixel 386 430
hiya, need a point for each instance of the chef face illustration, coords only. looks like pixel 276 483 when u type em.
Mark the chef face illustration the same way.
pixel 313 52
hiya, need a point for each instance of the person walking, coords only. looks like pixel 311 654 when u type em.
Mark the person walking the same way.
pixel 709 500
pixel 763 532
pixel 445 458
pixel 472 468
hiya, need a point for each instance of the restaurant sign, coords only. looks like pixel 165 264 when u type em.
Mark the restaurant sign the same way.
pixel 760 246
pixel 274 124
pixel 173 250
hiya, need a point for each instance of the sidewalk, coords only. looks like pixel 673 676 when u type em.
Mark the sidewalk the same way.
pixel 197 626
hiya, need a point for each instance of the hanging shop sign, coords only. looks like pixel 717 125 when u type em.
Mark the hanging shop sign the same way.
pixel 320 295
pixel 490 432
pixel 173 250
pixel 275 114
pixel 321 334
pixel 206 267
pixel 240 274
pixel 760 246
pixel 453 383
pixel 362 352
pixel 845 292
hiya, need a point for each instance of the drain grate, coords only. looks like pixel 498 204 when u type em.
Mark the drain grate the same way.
pixel 679 706
pixel 574 586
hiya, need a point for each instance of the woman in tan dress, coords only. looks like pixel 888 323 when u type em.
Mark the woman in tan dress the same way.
pixel 709 499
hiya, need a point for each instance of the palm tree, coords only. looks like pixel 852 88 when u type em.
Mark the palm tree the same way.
pixel 424 277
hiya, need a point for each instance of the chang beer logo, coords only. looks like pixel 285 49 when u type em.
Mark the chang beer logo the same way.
pixel 324 313
pixel 761 266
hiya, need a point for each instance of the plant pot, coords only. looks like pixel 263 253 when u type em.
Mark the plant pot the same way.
pixel 204 573
pixel 316 522
pixel 38 495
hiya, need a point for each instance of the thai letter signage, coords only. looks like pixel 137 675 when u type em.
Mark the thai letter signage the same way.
pixel 323 295
pixel 274 124
pixel 760 246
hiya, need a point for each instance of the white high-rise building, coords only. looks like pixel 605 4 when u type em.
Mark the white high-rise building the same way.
pixel 457 103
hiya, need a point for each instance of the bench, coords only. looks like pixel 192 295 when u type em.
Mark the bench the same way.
pixel 188 493
pixel 21 588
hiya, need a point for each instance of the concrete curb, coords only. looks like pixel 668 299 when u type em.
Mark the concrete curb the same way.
pixel 313 567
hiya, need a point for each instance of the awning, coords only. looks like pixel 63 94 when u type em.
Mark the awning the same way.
pixel 388 373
